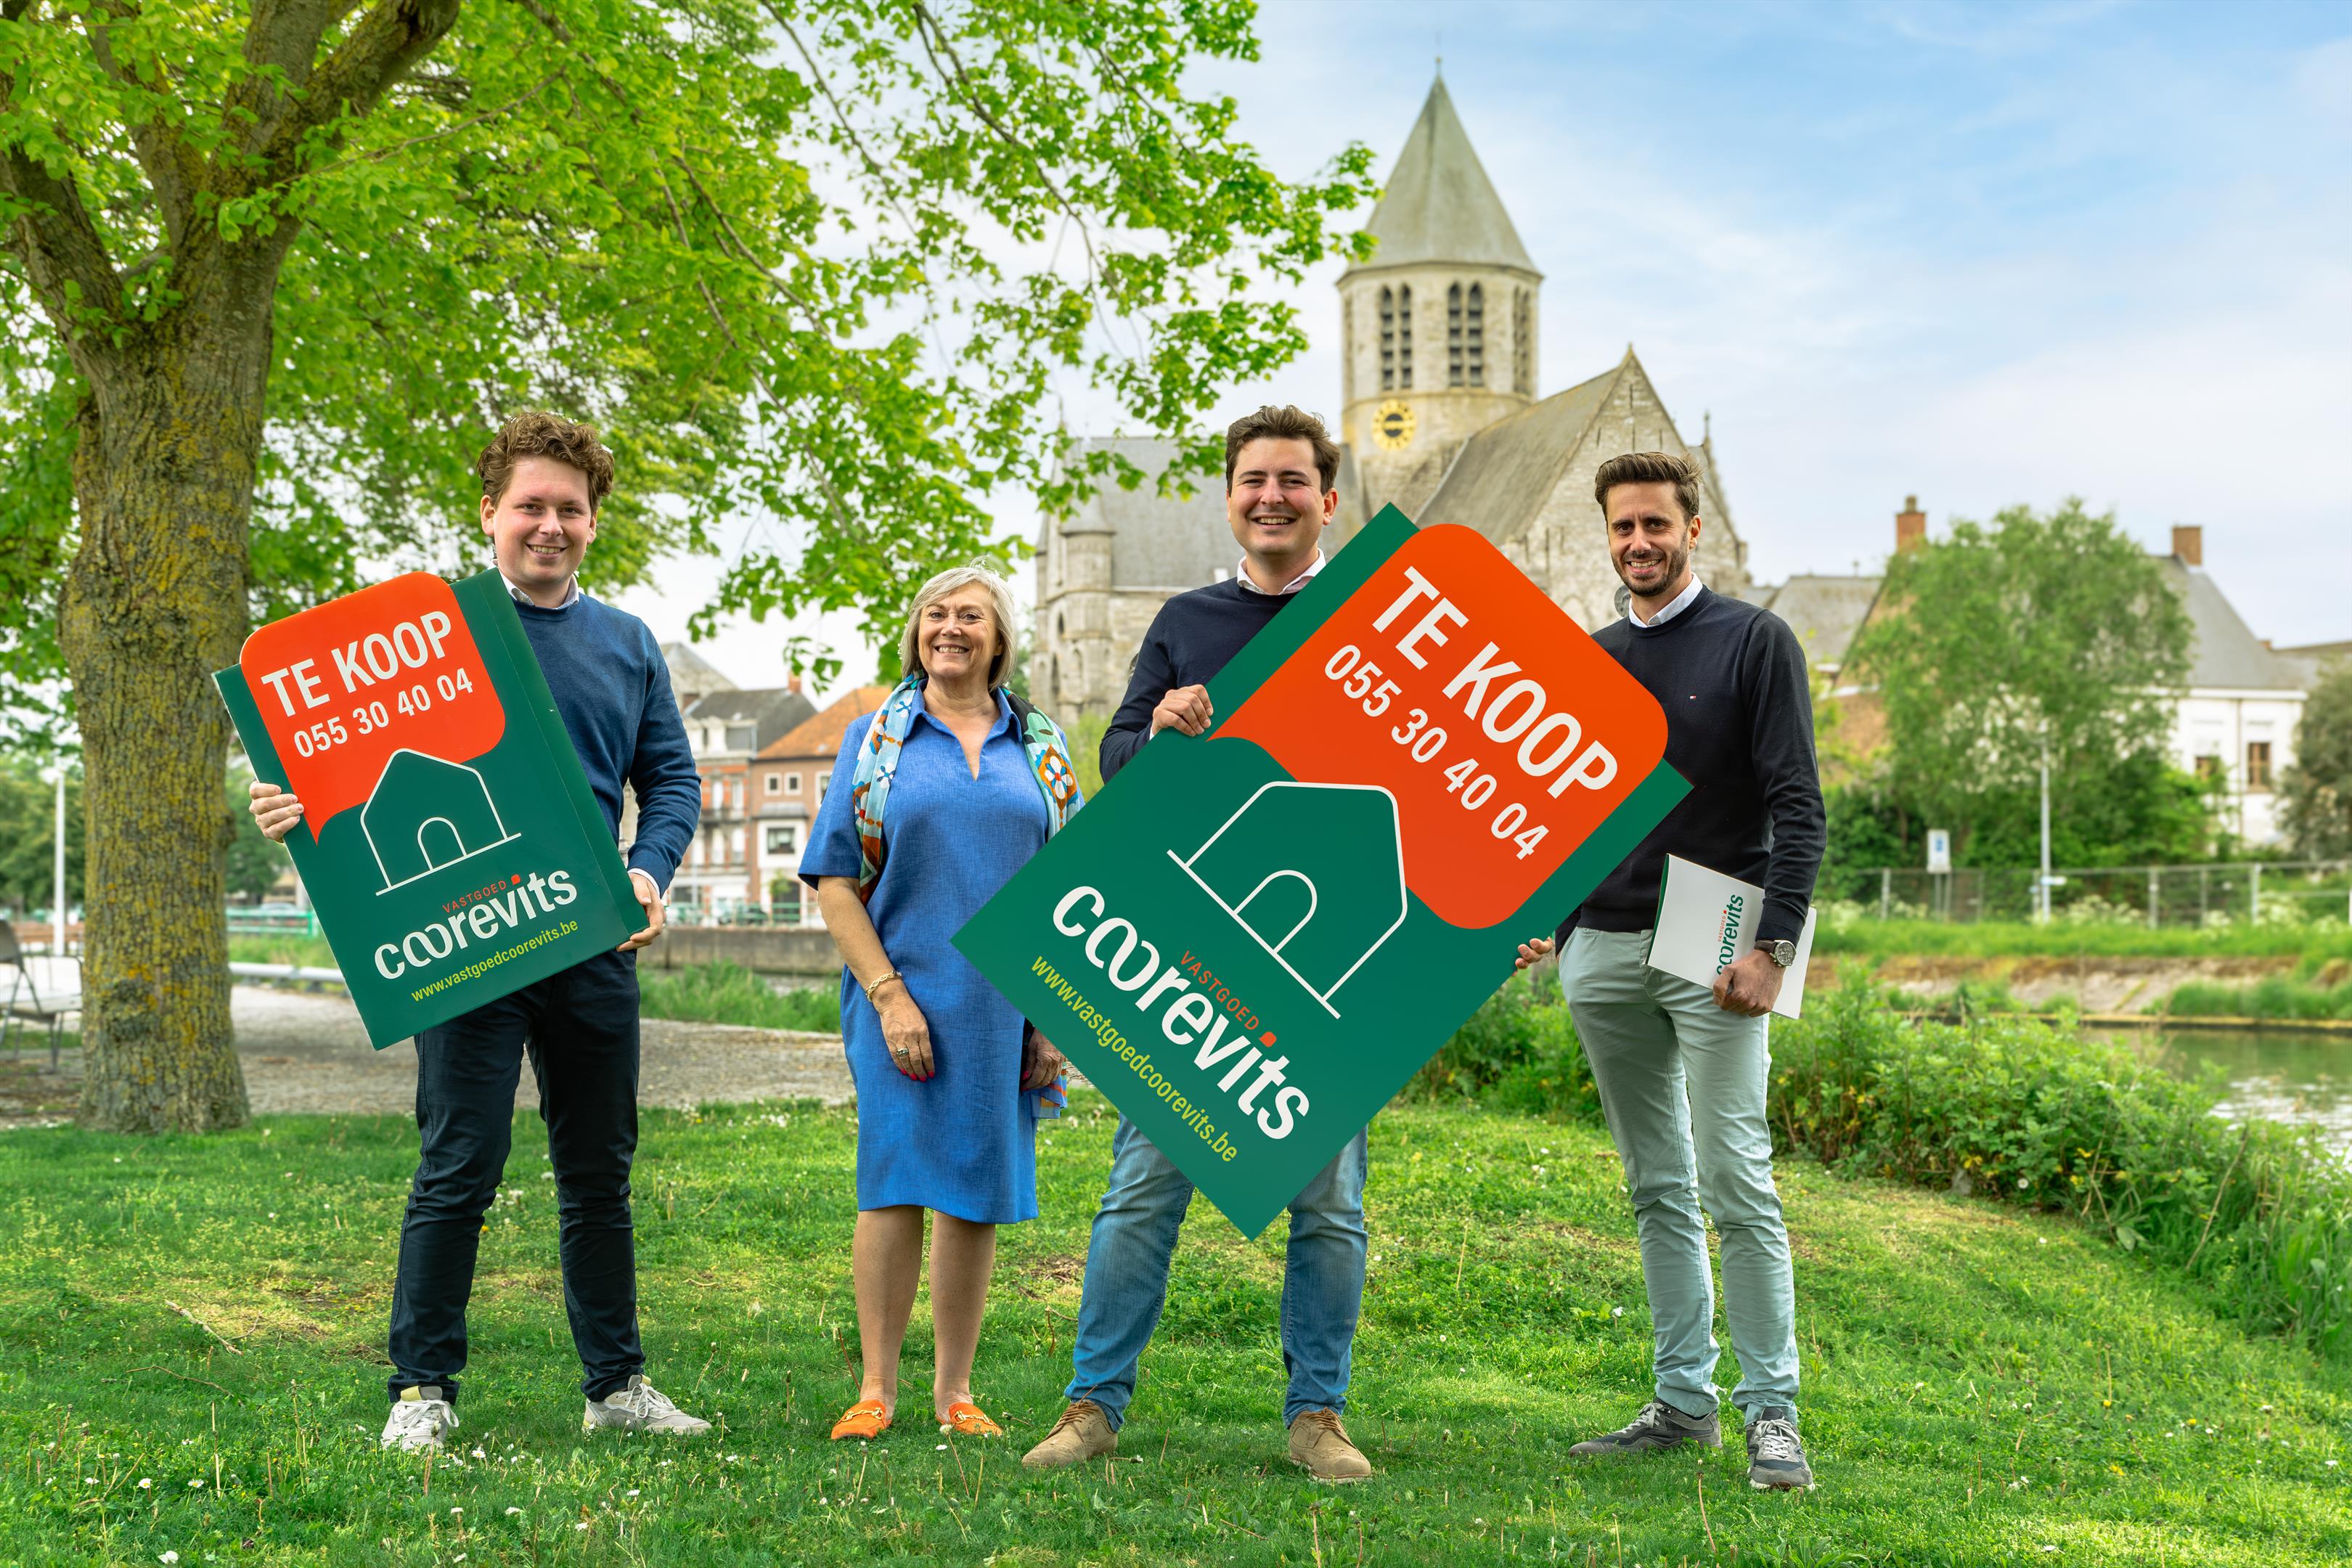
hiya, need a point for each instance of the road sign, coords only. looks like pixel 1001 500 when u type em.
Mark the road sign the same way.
pixel 1253 938
pixel 448 839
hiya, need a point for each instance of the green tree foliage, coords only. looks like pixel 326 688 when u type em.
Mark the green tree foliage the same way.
pixel 272 272
pixel 2041 635
pixel 2315 795
pixel 255 863
pixel 28 834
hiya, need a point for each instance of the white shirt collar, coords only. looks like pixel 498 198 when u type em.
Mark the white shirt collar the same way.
pixel 1250 587
pixel 1674 607
pixel 571 593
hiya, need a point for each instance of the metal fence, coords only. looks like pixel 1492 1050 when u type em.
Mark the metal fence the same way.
pixel 2158 895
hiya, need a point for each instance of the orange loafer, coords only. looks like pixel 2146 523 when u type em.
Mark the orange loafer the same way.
pixel 966 1420
pixel 866 1419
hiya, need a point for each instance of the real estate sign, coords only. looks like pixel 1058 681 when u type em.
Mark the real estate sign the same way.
pixel 1255 937
pixel 448 839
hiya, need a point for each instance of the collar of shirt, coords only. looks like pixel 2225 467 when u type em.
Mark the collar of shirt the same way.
pixel 1240 574
pixel 570 594
pixel 1004 712
pixel 1674 607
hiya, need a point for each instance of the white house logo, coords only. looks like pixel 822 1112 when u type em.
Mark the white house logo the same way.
pixel 425 815
pixel 1324 907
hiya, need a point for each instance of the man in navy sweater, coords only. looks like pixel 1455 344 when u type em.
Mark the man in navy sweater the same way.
pixel 1281 472
pixel 542 480
pixel 1681 1071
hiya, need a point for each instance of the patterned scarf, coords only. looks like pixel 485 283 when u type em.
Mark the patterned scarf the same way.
pixel 877 765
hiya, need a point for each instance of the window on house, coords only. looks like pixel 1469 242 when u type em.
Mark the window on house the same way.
pixel 738 854
pixel 821 781
pixel 1474 335
pixel 1454 335
pixel 2258 764
pixel 1523 350
pixel 792 784
pixel 786 839
pixel 775 785
pixel 2209 767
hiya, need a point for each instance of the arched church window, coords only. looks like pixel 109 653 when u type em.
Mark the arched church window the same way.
pixel 1523 352
pixel 1474 335
pixel 1388 339
pixel 1404 336
pixel 1454 335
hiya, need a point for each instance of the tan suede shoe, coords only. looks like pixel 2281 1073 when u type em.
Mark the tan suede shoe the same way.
pixel 1083 1433
pixel 1320 1444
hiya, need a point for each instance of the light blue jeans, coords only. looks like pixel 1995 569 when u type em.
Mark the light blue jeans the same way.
pixel 1682 1083
pixel 1126 1277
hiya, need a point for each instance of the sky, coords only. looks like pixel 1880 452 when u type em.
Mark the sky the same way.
pixel 1984 254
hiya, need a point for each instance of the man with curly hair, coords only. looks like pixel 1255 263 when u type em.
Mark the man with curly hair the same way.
pixel 544 479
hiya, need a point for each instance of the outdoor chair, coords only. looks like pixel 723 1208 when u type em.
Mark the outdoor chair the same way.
pixel 43 989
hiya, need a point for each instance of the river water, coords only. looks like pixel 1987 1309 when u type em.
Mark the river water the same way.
pixel 2304 1077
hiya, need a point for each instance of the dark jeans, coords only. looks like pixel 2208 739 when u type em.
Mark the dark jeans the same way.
pixel 580 1030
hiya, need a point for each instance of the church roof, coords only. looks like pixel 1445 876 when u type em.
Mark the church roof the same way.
pixel 1505 472
pixel 1438 205
pixel 1156 540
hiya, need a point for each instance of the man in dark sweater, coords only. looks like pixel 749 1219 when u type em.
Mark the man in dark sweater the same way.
pixel 1681 1071
pixel 1281 473
pixel 542 480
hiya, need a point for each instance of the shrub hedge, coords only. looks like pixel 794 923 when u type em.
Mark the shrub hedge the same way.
pixel 2009 1108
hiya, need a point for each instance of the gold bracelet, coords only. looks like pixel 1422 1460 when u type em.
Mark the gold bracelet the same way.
pixel 880 982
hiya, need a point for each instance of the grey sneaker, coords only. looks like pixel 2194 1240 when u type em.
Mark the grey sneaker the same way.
pixel 640 1407
pixel 1776 1455
pixel 419 1417
pixel 1659 1426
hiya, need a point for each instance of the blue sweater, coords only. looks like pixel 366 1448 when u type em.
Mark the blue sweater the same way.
pixel 611 690
pixel 1193 637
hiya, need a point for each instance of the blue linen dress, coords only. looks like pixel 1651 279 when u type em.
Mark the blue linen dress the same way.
pixel 964 1141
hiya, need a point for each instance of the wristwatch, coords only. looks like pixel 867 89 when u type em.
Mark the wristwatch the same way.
pixel 1784 953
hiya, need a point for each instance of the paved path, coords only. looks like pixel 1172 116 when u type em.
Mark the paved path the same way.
pixel 304 1052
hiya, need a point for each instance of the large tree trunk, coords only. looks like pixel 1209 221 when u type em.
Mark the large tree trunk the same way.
pixel 156 601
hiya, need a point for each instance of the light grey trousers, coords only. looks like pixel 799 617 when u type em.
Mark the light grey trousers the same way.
pixel 1682 1083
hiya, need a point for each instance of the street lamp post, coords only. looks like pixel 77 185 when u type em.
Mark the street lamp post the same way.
pixel 58 867
pixel 2042 902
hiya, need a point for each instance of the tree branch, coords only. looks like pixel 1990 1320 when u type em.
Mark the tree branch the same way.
pixel 380 48
pixel 172 169
pixel 404 144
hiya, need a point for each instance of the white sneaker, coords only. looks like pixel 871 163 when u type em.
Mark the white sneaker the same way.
pixel 640 1407
pixel 419 1417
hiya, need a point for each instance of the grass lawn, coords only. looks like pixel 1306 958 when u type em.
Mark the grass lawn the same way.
pixel 1981 1386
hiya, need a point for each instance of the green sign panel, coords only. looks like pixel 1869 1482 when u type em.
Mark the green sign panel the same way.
pixel 449 838
pixel 1255 937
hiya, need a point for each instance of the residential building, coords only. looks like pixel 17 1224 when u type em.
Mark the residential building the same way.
pixel 788 782
pixel 725 729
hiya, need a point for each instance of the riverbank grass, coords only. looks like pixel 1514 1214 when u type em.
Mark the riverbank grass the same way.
pixel 190 1332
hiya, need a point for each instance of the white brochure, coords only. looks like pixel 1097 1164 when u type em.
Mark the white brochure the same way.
pixel 1705 919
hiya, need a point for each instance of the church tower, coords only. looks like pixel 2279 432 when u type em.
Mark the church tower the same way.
pixel 1439 328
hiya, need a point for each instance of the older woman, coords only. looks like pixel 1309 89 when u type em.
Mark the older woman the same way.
pixel 936 801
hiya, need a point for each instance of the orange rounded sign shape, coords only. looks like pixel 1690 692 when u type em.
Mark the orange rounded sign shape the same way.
pixel 1504 734
pixel 343 687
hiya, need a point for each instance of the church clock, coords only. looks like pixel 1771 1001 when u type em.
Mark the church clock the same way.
pixel 1392 425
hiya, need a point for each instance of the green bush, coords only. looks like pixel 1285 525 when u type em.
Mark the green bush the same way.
pixel 2042 1115
pixel 730 993
pixel 2001 1105
pixel 2274 996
